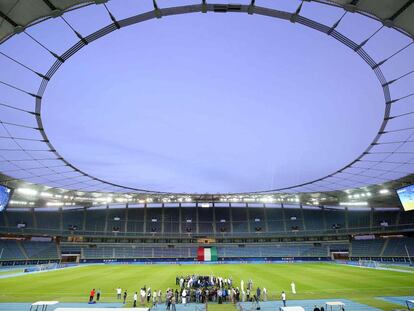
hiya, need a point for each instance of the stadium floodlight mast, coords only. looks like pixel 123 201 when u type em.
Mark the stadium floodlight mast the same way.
pixel 87 182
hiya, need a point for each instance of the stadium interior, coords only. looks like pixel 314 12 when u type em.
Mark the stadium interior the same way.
pixel 68 225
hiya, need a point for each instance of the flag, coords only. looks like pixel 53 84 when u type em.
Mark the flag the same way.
pixel 207 253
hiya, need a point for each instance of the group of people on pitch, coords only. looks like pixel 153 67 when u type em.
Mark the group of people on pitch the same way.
pixel 94 293
pixel 198 289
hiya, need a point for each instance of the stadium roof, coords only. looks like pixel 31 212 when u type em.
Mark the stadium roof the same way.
pixel 16 15
pixel 29 155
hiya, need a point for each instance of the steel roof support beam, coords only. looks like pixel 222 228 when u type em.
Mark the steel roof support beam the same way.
pixel 401 10
pixel 8 19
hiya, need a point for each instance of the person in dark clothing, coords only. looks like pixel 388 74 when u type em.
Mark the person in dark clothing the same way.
pixel 258 292
pixel 149 294
pixel 322 308
pixel 316 308
pixel 125 296
pixel 98 294
pixel 135 299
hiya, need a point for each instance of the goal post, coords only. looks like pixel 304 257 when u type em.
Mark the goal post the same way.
pixel 368 263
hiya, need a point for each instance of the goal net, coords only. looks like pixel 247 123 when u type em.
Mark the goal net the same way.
pixel 368 263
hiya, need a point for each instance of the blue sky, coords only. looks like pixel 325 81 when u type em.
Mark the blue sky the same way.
pixel 209 102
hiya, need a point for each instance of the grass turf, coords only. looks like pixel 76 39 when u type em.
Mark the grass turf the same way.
pixel 313 281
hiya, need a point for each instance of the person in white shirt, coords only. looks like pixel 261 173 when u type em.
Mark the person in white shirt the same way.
pixel 135 299
pixel 241 284
pixel 118 293
pixel 293 286
pixel 264 294
pixel 284 298
pixel 184 296
pixel 243 295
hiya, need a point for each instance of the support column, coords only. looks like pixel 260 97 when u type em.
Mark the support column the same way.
pixel 324 218
pixel 6 219
pixel 283 216
pixel 179 218
pixel 197 225
pixel 61 218
pixel 303 217
pixel 346 218
pixel 84 219
pixel 126 218
pixel 145 218
pixel 231 218
pixel 371 217
pixel 398 217
pixel 106 218
pixel 248 217
pixel 214 218
pixel 265 218
pixel 162 218
pixel 32 210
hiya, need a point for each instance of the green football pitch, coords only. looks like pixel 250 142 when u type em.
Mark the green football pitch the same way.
pixel 313 281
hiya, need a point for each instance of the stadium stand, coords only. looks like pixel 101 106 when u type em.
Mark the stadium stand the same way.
pixel 16 218
pixel 234 220
pixel 40 250
pixel 367 248
pixel 275 220
pixel 239 219
pixel 170 232
pixel 11 250
pixel 72 219
pixel 359 219
pixel 23 250
pixel 135 220
pixel 396 247
pixel 335 218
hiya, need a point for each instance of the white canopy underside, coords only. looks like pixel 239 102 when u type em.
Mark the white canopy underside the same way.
pixel 15 14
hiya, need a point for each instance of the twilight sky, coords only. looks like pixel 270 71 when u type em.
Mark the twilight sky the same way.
pixel 210 102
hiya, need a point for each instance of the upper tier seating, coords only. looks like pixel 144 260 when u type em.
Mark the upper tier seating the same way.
pixel 236 220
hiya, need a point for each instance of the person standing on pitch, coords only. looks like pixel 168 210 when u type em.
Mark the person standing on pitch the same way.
pixel 142 294
pixel 149 294
pixel 159 296
pixel 118 293
pixel 135 299
pixel 264 294
pixel 125 296
pixel 293 286
pixel 98 294
pixel 154 299
pixel 173 302
pixel 184 297
pixel 283 296
pixel 91 295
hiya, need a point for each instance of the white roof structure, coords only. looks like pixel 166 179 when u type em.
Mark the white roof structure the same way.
pixel 15 16
pixel 29 155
